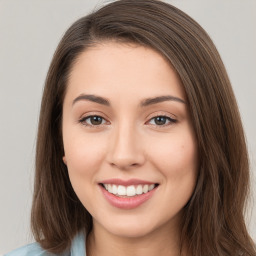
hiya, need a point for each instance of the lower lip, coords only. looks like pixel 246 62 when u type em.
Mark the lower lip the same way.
pixel 127 202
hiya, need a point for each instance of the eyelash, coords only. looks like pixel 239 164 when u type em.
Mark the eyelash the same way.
pixel 167 118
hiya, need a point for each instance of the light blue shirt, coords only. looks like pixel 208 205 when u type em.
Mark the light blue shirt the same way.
pixel 77 249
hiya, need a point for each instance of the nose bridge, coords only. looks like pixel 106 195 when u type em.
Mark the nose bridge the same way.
pixel 125 150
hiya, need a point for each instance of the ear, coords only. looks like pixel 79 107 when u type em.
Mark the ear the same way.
pixel 64 160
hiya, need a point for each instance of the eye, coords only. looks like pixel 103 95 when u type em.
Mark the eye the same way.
pixel 162 120
pixel 92 120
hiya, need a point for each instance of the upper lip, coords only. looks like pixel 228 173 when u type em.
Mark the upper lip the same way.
pixel 126 182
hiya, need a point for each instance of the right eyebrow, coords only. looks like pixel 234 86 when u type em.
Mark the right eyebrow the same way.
pixel 93 98
pixel 159 99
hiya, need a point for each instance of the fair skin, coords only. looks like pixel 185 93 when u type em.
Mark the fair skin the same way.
pixel 125 136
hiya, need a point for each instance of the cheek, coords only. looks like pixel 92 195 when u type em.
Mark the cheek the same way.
pixel 176 158
pixel 84 154
pixel 177 162
pixel 176 155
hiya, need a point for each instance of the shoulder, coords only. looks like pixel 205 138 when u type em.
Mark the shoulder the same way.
pixel 33 249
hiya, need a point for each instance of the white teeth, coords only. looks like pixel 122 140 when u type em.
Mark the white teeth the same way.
pixel 110 188
pixel 114 189
pixel 131 190
pixel 139 190
pixel 145 189
pixel 121 190
pixel 151 187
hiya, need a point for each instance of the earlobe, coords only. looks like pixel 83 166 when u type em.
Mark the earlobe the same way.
pixel 64 160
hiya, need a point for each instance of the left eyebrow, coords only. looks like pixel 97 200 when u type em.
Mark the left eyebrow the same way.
pixel 93 98
pixel 159 99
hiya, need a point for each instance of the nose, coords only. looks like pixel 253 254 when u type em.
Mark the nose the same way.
pixel 125 148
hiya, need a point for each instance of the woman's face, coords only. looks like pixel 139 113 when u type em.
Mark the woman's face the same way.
pixel 129 144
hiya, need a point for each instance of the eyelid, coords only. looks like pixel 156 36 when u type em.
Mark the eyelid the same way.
pixel 93 113
pixel 162 113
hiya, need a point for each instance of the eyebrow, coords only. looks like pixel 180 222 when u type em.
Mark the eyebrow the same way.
pixel 159 99
pixel 144 103
pixel 93 98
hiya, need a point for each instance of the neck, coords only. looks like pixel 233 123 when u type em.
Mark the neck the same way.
pixel 164 241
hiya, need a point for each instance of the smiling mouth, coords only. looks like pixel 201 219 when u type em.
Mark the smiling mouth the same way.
pixel 128 191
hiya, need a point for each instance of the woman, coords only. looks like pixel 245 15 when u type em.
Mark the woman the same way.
pixel 140 146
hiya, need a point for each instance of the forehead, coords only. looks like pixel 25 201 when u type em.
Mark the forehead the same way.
pixel 121 67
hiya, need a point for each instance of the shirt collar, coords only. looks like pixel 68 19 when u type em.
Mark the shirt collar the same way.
pixel 78 245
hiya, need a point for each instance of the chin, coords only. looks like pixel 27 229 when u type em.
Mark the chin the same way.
pixel 128 231
pixel 131 227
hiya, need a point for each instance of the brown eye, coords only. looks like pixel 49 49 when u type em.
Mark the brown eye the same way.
pixel 162 120
pixel 93 120
pixel 96 120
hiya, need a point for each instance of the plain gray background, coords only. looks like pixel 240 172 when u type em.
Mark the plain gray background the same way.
pixel 29 33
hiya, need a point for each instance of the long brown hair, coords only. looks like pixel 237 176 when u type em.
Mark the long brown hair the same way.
pixel 213 222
